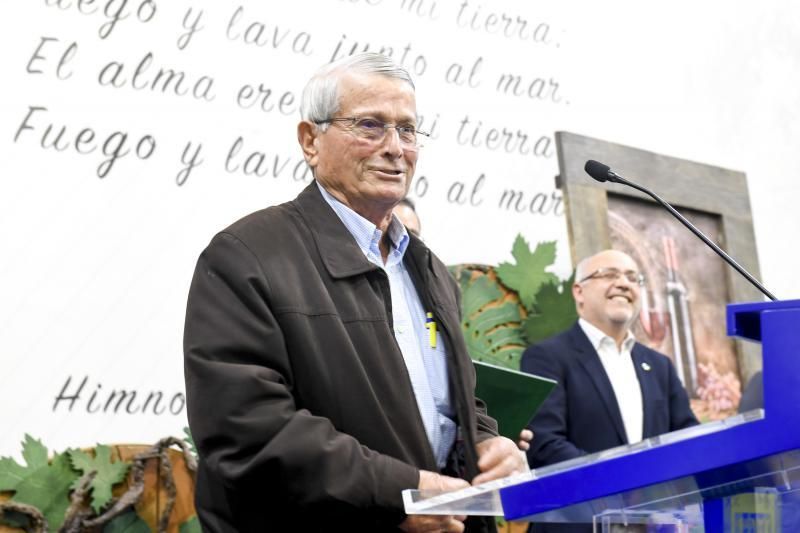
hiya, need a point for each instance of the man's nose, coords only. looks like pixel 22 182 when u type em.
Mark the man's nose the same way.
pixel 392 146
pixel 623 283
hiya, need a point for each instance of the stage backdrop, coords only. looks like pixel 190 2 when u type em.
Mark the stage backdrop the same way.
pixel 132 131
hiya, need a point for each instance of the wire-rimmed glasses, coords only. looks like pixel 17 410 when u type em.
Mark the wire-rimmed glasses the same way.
pixel 613 274
pixel 374 130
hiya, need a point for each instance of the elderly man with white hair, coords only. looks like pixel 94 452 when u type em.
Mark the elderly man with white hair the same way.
pixel 325 366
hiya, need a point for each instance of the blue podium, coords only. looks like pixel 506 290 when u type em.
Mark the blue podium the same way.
pixel 739 474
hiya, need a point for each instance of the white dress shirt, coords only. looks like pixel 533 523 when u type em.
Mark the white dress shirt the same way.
pixel 621 372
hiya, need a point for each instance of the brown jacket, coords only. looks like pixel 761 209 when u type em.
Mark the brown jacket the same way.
pixel 298 396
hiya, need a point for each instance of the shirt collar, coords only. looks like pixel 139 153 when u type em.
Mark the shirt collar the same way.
pixel 597 337
pixel 366 234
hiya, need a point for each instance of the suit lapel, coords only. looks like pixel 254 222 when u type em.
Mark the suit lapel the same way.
pixel 645 373
pixel 590 361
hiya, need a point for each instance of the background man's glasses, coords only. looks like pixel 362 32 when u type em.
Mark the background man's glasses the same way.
pixel 374 130
pixel 613 274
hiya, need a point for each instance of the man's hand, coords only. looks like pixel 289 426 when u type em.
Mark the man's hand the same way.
pixel 525 438
pixel 499 457
pixel 421 523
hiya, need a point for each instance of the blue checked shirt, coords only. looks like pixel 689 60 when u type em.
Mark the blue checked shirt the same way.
pixel 427 366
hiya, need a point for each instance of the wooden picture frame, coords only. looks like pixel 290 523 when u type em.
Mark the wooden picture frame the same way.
pixel 715 195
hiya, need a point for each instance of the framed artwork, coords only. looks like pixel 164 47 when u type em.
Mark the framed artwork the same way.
pixel 687 285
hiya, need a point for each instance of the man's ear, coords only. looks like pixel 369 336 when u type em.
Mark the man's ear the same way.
pixel 577 293
pixel 307 136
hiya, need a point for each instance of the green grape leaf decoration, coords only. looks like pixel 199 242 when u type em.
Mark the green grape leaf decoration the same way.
pixel 491 322
pixel 190 440
pixel 528 275
pixel 44 485
pixel 554 311
pixel 191 526
pixel 108 473
pixel 129 522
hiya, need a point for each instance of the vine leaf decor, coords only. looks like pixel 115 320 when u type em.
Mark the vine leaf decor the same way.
pixel 11 473
pixel 191 526
pixel 127 523
pixel 528 275
pixel 108 473
pixel 74 490
pixel 189 440
pixel 41 483
pixel 507 308
pixel 491 323
pixel 553 313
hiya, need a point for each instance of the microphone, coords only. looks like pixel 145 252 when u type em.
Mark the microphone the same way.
pixel 599 171
pixel 603 173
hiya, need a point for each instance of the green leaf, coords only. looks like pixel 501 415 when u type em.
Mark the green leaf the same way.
pixel 190 440
pixel 463 280
pixel 554 311
pixel 504 335
pixel 479 293
pixel 39 483
pixel 508 357
pixel 47 488
pixel 528 275
pixel 34 452
pixel 491 327
pixel 127 523
pixel 490 317
pixel 11 473
pixel 108 473
pixel 191 526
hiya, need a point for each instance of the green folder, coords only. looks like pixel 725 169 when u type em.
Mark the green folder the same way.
pixel 511 397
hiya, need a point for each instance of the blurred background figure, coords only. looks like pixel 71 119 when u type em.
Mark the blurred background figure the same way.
pixel 406 212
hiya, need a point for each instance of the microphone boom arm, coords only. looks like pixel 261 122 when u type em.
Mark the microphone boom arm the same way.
pixel 619 179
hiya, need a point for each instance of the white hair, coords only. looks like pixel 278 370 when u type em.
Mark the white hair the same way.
pixel 320 99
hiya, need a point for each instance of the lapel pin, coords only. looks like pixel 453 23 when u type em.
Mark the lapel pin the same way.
pixel 646 367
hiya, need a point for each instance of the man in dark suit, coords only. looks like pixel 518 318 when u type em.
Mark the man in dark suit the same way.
pixel 611 389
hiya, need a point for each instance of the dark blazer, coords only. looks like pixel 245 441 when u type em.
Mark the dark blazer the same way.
pixel 581 415
pixel 297 393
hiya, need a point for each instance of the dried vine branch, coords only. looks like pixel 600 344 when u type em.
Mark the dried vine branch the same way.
pixel 77 512
pixel 136 488
pixel 38 521
pixel 79 518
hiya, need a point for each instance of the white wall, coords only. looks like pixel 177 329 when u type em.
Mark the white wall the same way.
pixel 94 271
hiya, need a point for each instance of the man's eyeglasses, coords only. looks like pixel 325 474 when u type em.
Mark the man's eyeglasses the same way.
pixel 613 274
pixel 374 130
